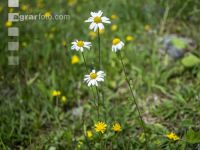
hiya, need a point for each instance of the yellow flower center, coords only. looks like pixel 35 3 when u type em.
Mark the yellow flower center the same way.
pixel 80 43
pixel 116 41
pixel 93 75
pixel 97 19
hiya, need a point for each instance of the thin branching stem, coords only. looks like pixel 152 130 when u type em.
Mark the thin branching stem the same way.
pixel 84 61
pixel 134 99
pixel 99 48
pixel 96 105
pixel 98 101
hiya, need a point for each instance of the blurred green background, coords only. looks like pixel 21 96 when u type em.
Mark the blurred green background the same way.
pixel 161 56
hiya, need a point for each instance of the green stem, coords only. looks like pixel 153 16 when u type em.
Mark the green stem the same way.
pixel 84 61
pixel 56 101
pixel 104 106
pixel 98 101
pixel 92 89
pixel 134 100
pixel 164 20
pixel 99 48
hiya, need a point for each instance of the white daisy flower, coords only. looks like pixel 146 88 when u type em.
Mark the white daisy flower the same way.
pixel 93 78
pixel 97 20
pixel 80 45
pixel 117 44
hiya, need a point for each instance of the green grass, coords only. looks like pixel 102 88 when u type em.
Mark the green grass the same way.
pixel 167 91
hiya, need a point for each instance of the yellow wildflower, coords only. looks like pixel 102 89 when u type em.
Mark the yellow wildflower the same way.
pixel 63 99
pixel 173 136
pixel 8 24
pixel 101 31
pixel 47 14
pixel 114 27
pixel 24 7
pixel 56 93
pixel 89 134
pixel 100 127
pixel 71 2
pixel 117 127
pixel 113 16
pixel 92 35
pixel 129 38
pixel 147 27
pixel 74 59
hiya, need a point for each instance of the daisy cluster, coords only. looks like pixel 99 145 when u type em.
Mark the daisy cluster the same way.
pixel 97 21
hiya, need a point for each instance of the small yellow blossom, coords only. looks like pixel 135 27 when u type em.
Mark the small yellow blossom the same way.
pixel 114 27
pixel 113 16
pixel 56 93
pixel 147 27
pixel 92 35
pixel 47 14
pixel 173 136
pixel 89 134
pixel 116 127
pixel 129 38
pixel 100 127
pixel 11 10
pixel 101 31
pixel 74 59
pixel 24 7
pixel 8 24
pixel 63 99
pixel 71 2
